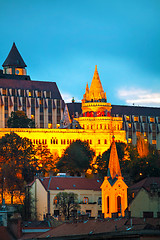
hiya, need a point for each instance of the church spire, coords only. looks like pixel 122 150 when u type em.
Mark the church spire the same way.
pixel 96 91
pixel 114 166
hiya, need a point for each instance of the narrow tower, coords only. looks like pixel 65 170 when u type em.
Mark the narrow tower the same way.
pixel 14 63
pixel 114 189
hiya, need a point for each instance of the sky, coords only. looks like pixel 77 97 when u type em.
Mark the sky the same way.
pixel 63 40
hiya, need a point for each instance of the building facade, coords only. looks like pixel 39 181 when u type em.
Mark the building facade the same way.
pixel 40 100
pixel 44 191
pixel 96 125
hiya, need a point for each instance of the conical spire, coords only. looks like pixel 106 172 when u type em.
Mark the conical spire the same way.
pixel 14 59
pixel 96 91
pixel 113 167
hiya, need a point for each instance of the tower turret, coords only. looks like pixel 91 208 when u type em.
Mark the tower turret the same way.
pixel 14 63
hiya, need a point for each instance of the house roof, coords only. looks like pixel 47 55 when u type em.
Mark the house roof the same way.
pixel 148 184
pixel 31 85
pixel 14 59
pixel 70 183
pixel 120 109
pixel 121 226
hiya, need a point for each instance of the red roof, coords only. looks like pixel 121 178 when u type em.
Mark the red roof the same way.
pixel 71 183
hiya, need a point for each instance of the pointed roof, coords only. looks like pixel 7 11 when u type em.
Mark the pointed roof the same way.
pixel 14 59
pixel 96 91
pixel 114 167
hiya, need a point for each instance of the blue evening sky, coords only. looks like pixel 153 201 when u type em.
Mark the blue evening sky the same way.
pixel 63 40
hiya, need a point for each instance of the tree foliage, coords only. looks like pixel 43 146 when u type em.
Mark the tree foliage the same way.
pixel 67 203
pixel 17 165
pixel 76 158
pixel 45 161
pixel 19 119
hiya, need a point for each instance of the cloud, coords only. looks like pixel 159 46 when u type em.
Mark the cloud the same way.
pixel 67 97
pixel 140 97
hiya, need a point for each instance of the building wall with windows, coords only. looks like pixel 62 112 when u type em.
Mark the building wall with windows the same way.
pixel 40 100
pixel 44 191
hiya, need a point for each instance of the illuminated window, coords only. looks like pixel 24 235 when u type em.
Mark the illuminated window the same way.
pixel 136 118
pixel 49 125
pixel 152 119
pixel 4 91
pixel 129 125
pixel 127 118
pixel 85 200
pixel 55 200
pixel 32 116
pixel 133 195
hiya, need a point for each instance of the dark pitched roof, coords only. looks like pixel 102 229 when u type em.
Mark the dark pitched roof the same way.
pixel 32 85
pixel 147 183
pixel 120 109
pixel 14 59
pixel 135 110
pixel 71 183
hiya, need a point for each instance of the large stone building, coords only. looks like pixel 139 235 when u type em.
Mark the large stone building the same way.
pixel 40 100
pixel 136 120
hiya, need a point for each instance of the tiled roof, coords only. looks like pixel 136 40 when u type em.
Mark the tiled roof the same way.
pixel 32 85
pixel 147 183
pixel 14 58
pixel 120 109
pixel 105 227
pixel 70 183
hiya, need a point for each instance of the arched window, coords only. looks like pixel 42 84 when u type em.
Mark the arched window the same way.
pixel 55 200
pixel 105 141
pixel 118 204
pixel 85 200
pixel 107 204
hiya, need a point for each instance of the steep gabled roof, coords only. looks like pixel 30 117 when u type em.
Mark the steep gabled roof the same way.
pixel 14 59
pixel 113 166
pixel 148 184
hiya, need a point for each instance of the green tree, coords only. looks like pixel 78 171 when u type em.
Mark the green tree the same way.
pixel 19 119
pixel 67 203
pixel 76 158
pixel 17 165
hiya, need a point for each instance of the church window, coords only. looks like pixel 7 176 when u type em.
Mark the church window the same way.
pixel 100 126
pixel 67 141
pixel 51 141
pixel 64 141
pixel 90 141
pixel 85 200
pixel 107 204
pixel 56 141
pixel 97 126
pixel 99 141
pixel 45 141
pixel 118 204
pixel 61 141
pixel 105 141
pixel 91 126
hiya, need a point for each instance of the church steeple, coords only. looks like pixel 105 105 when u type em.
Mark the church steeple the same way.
pixel 14 63
pixel 114 166
pixel 96 91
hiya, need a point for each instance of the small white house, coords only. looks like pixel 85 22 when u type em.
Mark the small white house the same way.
pixel 44 191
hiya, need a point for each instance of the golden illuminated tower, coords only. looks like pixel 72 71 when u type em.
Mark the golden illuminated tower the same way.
pixel 114 189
